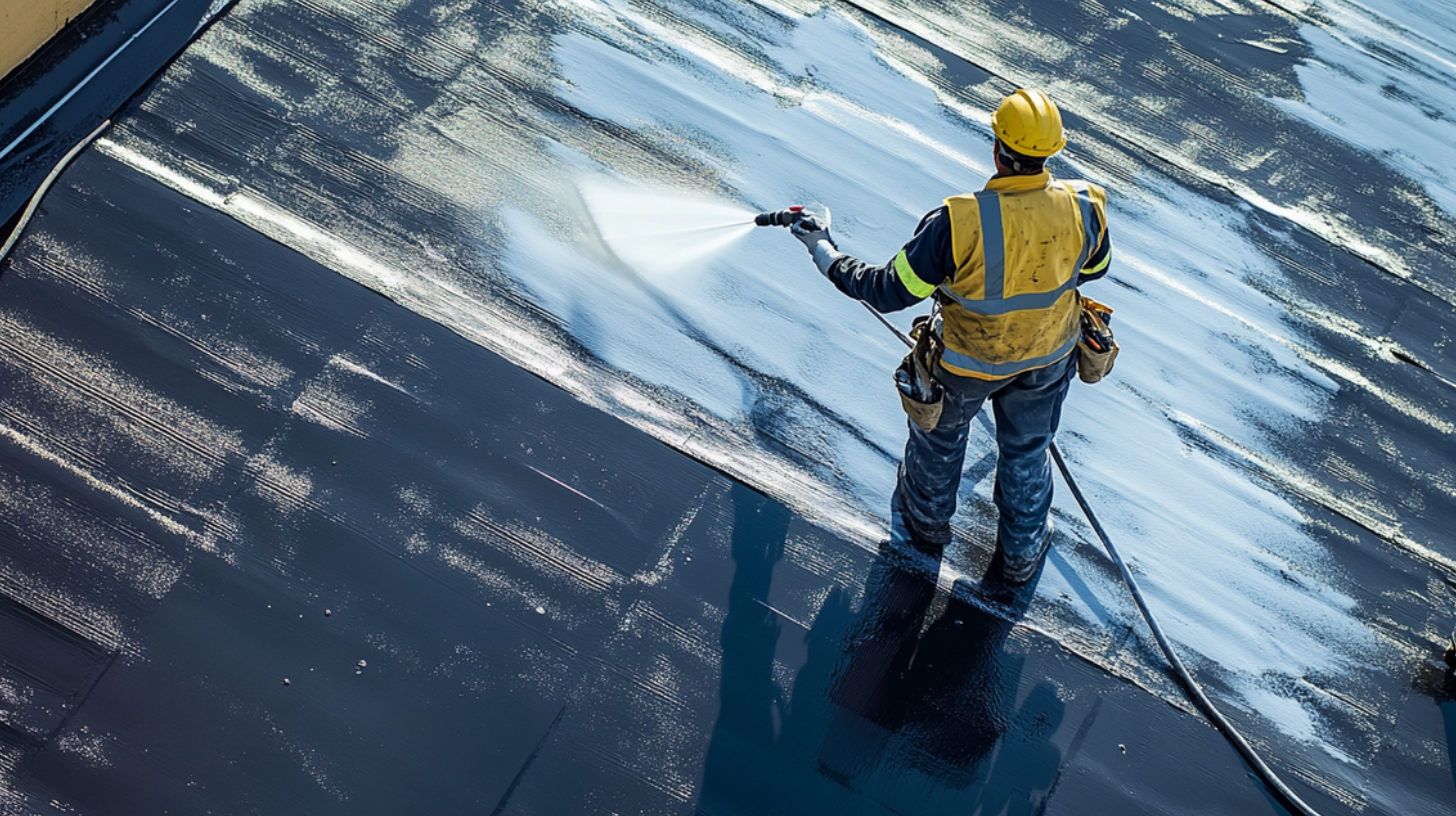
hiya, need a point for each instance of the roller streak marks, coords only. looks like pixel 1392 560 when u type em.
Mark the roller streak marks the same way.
pixel 96 385
pixel 540 552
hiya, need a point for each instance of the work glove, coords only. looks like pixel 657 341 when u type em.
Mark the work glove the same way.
pixel 812 230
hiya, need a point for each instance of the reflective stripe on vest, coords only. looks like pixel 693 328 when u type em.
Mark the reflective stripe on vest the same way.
pixel 1089 230
pixel 993 251
pixel 992 236
pixel 969 318
pixel 996 303
pixel 996 371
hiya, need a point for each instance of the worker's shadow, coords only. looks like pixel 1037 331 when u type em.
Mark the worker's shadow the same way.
pixel 1446 701
pixel 749 700
pixel 1438 681
pixel 773 702
pixel 866 700
pixel 937 691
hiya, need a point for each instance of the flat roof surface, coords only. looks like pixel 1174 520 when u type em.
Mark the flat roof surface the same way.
pixel 388 571
pixel 331 482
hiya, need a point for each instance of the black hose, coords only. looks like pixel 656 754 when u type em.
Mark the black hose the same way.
pixel 1281 790
pixel 1271 779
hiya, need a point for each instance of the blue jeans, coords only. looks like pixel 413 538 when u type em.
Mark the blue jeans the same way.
pixel 1028 408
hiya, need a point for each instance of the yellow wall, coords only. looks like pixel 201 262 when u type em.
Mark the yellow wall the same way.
pixel 26 25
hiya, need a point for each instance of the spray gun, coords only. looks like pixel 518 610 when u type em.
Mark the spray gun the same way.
pixel 780 218
pixel 810 226
pixel 788 217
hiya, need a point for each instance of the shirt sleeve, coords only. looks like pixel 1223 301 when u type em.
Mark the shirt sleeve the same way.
pixel 906 279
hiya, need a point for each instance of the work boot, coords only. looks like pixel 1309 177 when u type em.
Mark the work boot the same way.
pixel 1017 570
pixel 929 540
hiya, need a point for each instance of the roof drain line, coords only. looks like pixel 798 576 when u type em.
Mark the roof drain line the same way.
pixel 1195 692
pixel 94 71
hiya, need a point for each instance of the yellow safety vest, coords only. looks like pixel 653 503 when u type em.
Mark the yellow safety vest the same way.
pixel 1019 245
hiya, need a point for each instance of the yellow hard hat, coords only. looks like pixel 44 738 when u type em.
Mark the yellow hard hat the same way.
pixel 1029 123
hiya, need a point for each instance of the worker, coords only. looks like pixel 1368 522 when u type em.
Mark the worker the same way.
pixel 1003 265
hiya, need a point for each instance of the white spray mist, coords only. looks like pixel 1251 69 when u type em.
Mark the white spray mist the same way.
pixel 660 233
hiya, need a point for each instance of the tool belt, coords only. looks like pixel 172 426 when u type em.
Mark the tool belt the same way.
pixel 1096 347
pixel 920 395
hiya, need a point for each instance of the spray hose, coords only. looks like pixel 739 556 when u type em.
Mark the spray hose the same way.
pixel 1276 785
pixel 45 185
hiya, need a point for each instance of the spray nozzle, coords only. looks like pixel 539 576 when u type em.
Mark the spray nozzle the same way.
pixel 779 218
pixel 812 218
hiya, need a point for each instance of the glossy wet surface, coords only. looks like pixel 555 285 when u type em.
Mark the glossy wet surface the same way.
pixel 427 580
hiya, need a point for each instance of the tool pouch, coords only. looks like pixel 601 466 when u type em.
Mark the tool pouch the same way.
pixel 920 395
pixel 1097 349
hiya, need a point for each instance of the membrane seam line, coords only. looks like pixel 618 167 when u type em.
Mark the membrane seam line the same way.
pixel 526 766
pixel 1276 785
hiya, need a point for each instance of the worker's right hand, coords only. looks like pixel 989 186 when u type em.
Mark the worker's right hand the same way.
pixel 812 230
pixel 812 227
